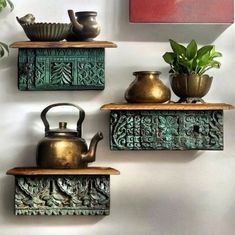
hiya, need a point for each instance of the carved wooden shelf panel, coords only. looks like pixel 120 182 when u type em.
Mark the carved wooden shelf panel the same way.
pixel 62 191
pixel 166 126
pixel 61 65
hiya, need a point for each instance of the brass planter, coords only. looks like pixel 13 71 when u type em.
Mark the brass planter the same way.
pixel 190 86
pixel 147 88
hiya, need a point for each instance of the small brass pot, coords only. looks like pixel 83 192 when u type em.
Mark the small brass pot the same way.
pixel 190 86
pixel 147 88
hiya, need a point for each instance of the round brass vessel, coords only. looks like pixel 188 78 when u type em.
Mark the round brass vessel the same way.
pixel 147 88
pixel 190 86
pixel 84 26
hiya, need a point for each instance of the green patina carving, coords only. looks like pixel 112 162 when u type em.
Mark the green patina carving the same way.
pixel 166 130
pixel 62 195
pixel 61 69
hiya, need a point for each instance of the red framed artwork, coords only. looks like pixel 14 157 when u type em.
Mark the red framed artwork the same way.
pixel 182 11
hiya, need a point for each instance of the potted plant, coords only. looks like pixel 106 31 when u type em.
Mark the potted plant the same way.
pixel 189 65
pixel 3 47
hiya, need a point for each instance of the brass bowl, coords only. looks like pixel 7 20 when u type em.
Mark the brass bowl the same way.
pixel 46 31
pixel 187 86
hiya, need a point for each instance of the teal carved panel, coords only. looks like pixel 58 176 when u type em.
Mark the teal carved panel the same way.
pixel 62 195
pixel 61 69
pixel 166 130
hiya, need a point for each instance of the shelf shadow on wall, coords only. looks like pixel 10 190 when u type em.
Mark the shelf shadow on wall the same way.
pixel 154 156
pixel 120 29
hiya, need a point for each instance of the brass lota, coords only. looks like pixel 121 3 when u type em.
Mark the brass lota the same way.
pixel 147 88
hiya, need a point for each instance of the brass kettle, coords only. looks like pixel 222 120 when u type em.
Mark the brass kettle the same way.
pixel 63 147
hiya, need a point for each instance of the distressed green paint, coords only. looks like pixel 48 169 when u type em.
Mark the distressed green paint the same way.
pixel 166 130
pixel 61 69
pixel 62 195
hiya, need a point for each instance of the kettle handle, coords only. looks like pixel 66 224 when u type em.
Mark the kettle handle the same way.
pixel 79 122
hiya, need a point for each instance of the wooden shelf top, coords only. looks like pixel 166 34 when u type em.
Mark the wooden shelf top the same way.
pixel 63 44
pixel 171 106
pixel 88 171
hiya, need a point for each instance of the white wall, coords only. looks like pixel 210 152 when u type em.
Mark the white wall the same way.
pixel 167 193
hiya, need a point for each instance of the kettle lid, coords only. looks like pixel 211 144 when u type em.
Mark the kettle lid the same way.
pixel 62 131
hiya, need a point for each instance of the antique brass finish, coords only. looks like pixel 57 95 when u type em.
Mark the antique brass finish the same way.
pixel 43 31
pixel 63 147
pixel 190 86
pixel 85 27
pixel 147 88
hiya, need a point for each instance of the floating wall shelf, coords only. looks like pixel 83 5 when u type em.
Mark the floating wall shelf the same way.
pixel 62 191
pixel 166 126
pixel 61 65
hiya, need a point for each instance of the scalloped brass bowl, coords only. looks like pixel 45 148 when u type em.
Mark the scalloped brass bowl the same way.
pixel 187 86
pixel 46 31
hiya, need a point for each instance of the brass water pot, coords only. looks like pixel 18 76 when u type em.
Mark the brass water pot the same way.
pixel 84 27
pixel 63 147
pixel 147 88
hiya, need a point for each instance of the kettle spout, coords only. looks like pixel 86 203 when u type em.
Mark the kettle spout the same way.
pixel 91 154
pixel 77 28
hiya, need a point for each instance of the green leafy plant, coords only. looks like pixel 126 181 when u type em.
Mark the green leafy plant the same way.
pixel 4 3
pixel 3 47
pixel 191 60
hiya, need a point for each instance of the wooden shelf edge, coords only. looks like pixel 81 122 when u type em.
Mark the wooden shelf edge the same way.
pixel 30 171
pixel 63 44
pixel 175 106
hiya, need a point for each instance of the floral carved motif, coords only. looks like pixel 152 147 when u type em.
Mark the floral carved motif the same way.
pixel 62 195
pixel 166 130
pixel 61 69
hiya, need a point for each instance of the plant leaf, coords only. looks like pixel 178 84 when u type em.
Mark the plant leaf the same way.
pixel 202 51
pixel 3 49
pixel 10 4
pixel 169 57
pixel 191 50
pixel 3 4
pixel 1 52
pixel 177 48
pixel 4 46
pixel 204 60
pixel 215 64
pixel 216 54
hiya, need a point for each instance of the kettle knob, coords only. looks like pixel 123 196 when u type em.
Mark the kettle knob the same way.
pixel 63 125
